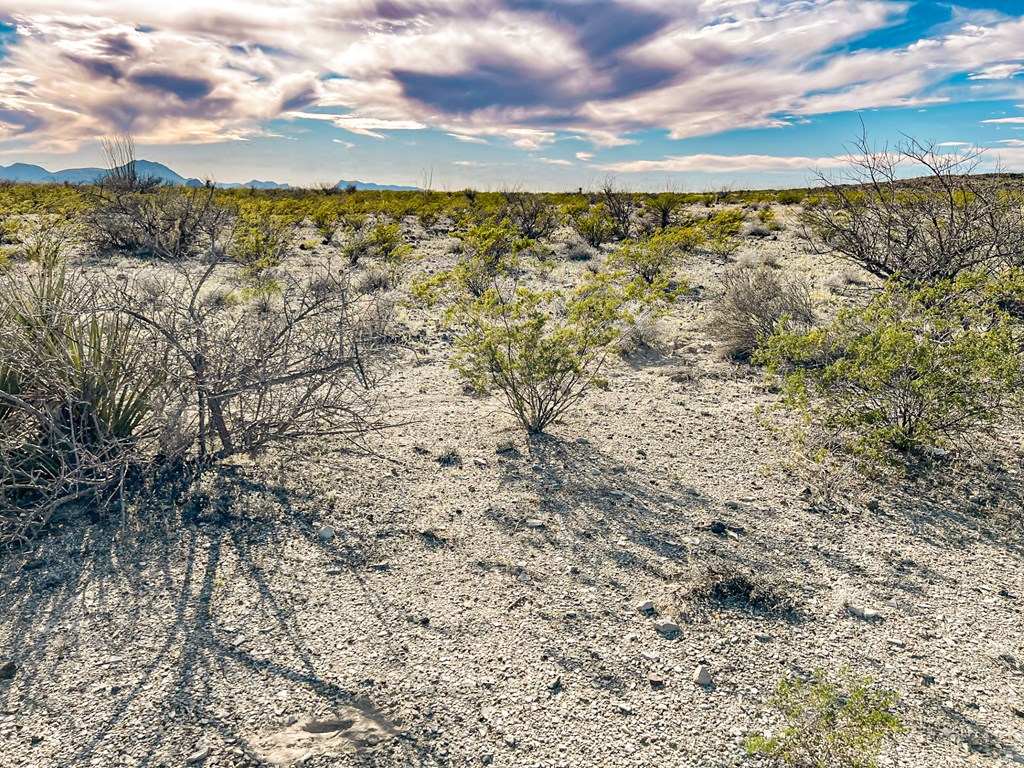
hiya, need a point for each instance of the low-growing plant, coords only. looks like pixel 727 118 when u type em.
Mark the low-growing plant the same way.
pixel 755 302
pixel 541 350
pixel 654 260
pixel 591 222
pixel 914 371
pixel 830 722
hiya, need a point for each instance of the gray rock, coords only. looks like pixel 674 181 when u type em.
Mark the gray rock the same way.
pixel 863 612
pixel 623 707
pixel 645 606
pixel 534 522
pixel 198 756
pixel 326 533
pixel 666 627
pixel 702 675
pixel 8 670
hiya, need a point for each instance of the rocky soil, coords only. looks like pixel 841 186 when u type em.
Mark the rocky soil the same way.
pixel 464 596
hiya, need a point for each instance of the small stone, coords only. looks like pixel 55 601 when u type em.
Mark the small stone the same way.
pixel 645 606
pixel 480 462
pixel 505 446
pixel 8 670
pixel 555 684
pixel 896 643
pixel 666 627
pixel 863 612
pixel 487 758
pixel 702 676
pixel 762 638
pixel 198 756
pixel 656 679
pixel 326 533
pixel 534 522
pixel 523 577
pixel 651 655
pixel 873 505
pixel 623 707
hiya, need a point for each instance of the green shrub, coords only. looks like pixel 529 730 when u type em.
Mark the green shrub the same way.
pixel 591 222
pixel 654 260
pixel 541 350
pixel 913 371
pixel 829 723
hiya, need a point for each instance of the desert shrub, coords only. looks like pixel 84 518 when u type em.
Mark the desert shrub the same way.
pixel 720 232
pixel 532 214
pixel 756 301
pixel 262 235
pixel 914 371
pixel 721 583
pixel 541 350
pixel 654 260
pixel 791 196
pixel 327 218
pixel 621 208
pixel 490 253
pixel 163 222
pixel 47 238
pixel 660 208
pixel 76 385
pixel 591 222
pixel 829 723
pixel 929 229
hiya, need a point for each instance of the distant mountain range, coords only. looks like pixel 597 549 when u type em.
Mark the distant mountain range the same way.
pixel 37 174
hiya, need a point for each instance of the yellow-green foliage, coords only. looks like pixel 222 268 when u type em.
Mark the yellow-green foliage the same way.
pixel 915 369
pixel 654 260
pixel 540 350
pixel 829 723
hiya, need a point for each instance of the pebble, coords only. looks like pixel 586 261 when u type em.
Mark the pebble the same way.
pixel 198 756
pixel 534 522
pixel 863 612
pixel 623 707
pixel 326 533
pixel 645 606
pixel 8 670
pixel 702 675
pixel 666 627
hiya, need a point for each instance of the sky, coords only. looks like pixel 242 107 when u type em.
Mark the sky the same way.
pixel 497 94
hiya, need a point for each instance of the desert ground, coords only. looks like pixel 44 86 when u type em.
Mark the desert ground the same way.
pixel 458 593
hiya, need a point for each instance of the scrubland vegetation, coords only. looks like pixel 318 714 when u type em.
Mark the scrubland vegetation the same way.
pixel 151 337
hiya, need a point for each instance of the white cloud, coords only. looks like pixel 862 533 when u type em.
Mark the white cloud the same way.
pixel 584 156
pixel 553 161
pixel 476 69
pixel 712 163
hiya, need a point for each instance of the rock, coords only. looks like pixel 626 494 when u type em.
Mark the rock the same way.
pixel 534 522
pixel 666 627
pixel 873 505
pixel 702 676
pixel 863 612
pixel 8 670
pixel 896 643
pixel 624 707
pixel 505 446
pixel 523 577
pixel 656 679
pixel 762 638
pixel 555 684
pixel 487 758
pixel 198 756
pixel 480 462
pixel 326 533
pixel 645 606
pixel 651 655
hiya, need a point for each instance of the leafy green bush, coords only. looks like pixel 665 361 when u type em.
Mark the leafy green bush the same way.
pixel 913 371
pixel 541 350
pixel 262 235
pixel 654 260
pixel 591 222
pixel 829 723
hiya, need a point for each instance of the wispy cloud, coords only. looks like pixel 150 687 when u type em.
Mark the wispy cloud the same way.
pixel 712 163
pixel 514 72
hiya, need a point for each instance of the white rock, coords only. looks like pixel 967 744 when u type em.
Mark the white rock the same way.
pixel 326 533
pixel 666 627
pixel 702 675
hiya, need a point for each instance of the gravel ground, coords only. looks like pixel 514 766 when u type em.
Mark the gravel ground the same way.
pixel 468 597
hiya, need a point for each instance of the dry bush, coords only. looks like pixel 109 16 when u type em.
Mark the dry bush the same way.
pixel 101 378
pixel 723 584
pixel 756 299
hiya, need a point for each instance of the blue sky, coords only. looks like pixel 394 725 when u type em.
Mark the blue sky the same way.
pixel 499 93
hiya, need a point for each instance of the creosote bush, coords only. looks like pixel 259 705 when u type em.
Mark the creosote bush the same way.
pixel 913 372
pixel 541 350
pixel 829 722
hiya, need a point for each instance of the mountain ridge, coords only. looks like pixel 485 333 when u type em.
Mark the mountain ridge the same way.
pixel 37 174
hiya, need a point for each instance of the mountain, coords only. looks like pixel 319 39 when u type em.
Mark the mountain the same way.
pixel 25 172
pixel 379 187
